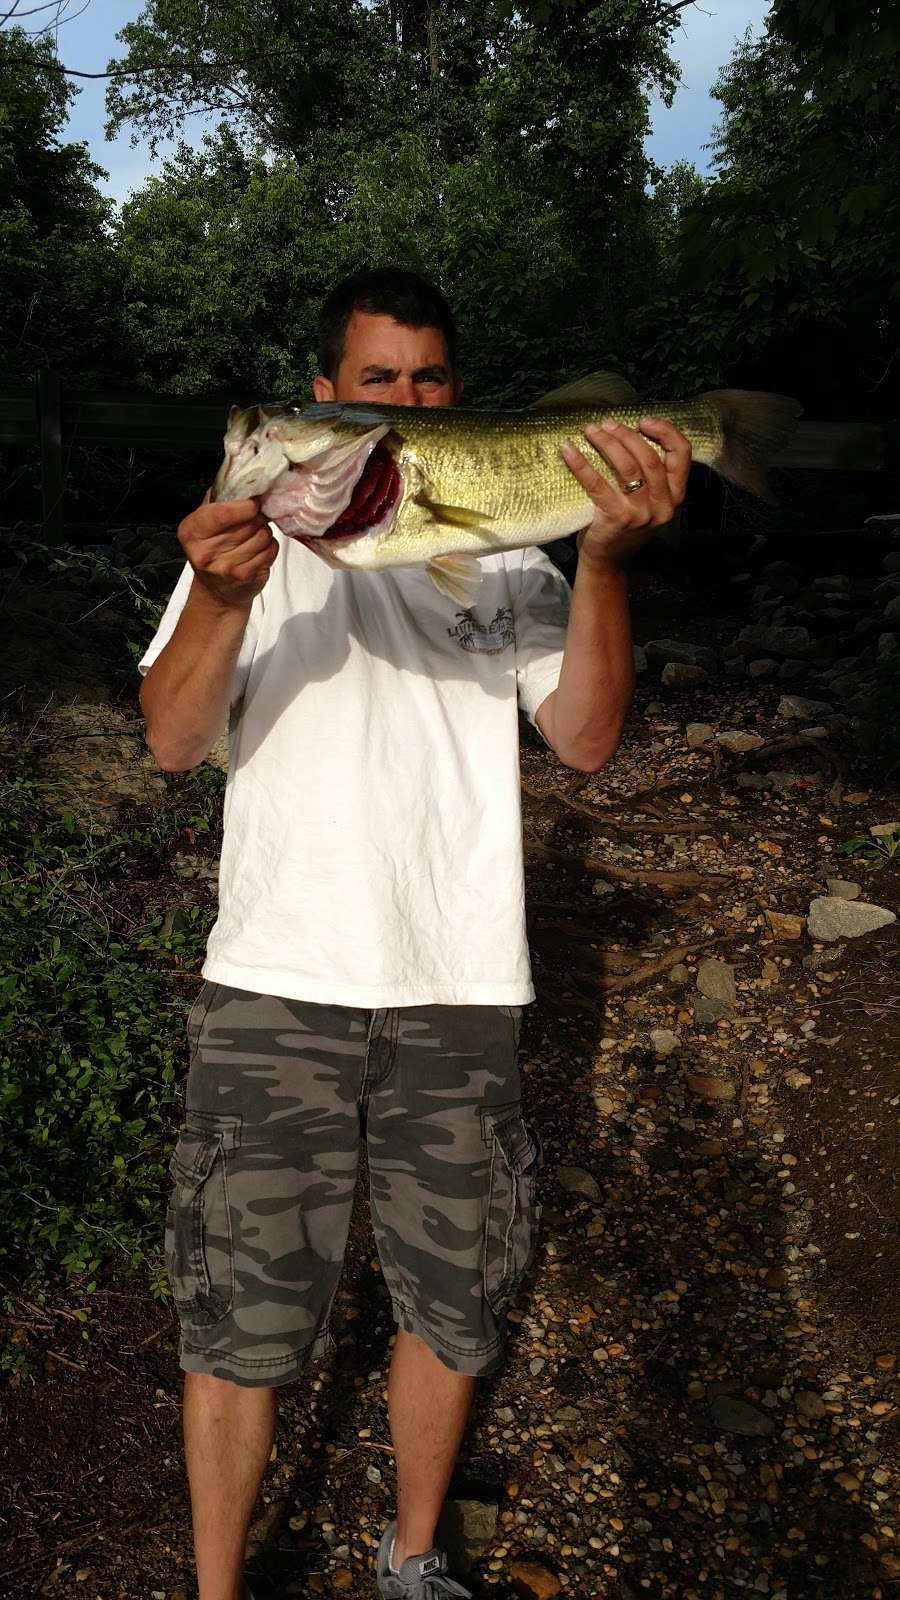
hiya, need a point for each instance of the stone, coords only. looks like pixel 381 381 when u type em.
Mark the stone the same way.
pixel 664 1041
pixel 759 640
pixel 699 733
pixel 799 709
pixel 884 830
pixel 640 660
pixel 708 1012
pixel 792 671
pixel 831 917
pixel 778 781
pixel 709 1088
pixel 738 741
pixel 601 888
pixel 715 980
pixel 691 655
pixel 892 610
pixel 679 973
pixel 842 889
pixel 576 1181
pixel 795 1079
pixel 533 1581
pixel 466 1528
pixel 764 667
pixel 785 925
pixel 681 675
pixel 821 960
pixel 341 1578
pixel 891 563
pixel 736 1416
pixel 888 646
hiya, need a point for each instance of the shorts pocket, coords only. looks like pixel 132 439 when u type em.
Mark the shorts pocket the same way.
pixel 199 1235
pixel 513 1212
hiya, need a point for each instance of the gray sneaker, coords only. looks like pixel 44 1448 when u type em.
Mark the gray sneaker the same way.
pixel 421 1577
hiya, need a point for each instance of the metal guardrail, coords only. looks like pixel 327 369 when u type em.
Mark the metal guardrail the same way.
pixel 60 417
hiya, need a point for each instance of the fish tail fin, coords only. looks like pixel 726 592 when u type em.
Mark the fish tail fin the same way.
pixel 755 427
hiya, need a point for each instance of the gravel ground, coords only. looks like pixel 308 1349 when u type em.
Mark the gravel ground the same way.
pixel 701 1397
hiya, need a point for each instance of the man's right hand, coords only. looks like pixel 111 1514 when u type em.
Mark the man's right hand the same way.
pixel 231 549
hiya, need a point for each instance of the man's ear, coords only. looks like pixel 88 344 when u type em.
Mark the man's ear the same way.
pixel 323 388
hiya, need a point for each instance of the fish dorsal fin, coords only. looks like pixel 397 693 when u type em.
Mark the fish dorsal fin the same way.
pixel 348 411
pixel 457 576
pixel 453 516
pixel 596 387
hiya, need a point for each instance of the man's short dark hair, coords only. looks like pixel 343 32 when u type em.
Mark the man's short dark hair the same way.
pixel 387 292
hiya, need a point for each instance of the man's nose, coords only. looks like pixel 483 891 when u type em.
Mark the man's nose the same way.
pixel 405 393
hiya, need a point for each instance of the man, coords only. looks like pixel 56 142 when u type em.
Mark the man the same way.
pixel 368 964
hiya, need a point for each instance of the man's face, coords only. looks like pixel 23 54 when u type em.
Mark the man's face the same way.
pixel 386 361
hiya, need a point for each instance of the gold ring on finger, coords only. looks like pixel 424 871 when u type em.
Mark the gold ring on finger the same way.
pixel 632 486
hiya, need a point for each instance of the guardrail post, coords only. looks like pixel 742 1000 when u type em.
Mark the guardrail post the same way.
pixel 50 423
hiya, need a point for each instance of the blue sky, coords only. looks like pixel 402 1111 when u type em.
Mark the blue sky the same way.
pixel 702 44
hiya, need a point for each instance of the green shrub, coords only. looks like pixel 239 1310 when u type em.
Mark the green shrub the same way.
pixel 91 1027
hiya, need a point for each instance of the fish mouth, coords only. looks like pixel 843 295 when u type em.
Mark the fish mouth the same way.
pixel 339 495
pixel 376 492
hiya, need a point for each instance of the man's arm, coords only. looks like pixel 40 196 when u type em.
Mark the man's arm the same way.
pixel 582 719
pixel 186 694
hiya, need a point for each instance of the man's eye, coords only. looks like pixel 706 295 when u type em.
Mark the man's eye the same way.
pixel 376 380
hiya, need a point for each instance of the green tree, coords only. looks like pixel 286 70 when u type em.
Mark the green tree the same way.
pixel 56 268
pixel 499 150
pixel 790 254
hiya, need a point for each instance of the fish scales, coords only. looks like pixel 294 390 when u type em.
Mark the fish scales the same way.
pixel 454 484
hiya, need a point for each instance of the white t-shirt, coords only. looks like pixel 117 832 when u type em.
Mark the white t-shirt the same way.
pixel 373 846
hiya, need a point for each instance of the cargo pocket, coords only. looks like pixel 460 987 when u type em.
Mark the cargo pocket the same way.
pixel 513 1212
pixel 199 1241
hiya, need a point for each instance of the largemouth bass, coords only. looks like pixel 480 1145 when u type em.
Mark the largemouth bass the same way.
pixel 395 486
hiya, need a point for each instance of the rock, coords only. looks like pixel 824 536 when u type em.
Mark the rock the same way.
pixel 759 640
pixel 842 889
pixel 715 980
pixel 765 667
pixel 785 925
pixel 664 1041
pixel 884 830
pixel 691 655
pixel 699 733
pixel 888 646
pixel 778 781
pixel 466 1528
pixel 737 741
pixel 601 888
pixel 708 1088
pixel 820 960
pixel 891 563
pixel 533 1581
pixel 831 917
pixel 799 709
pixel 736 1416
pixel 892 610
pixel 341 1578
pixel 811 1405
pixel 679 973
pixel 576 1181
pixel 681 675
pixel 792 671
pixel 707 1012
pixel 795 1079
pixel 816 732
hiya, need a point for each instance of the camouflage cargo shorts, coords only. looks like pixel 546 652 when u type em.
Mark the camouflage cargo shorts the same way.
pixel 279 1094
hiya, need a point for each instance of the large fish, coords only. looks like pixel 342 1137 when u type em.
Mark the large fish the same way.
pixel 396 486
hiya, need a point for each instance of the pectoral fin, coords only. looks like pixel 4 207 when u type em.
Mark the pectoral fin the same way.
pixel 456 576
pixel 454 516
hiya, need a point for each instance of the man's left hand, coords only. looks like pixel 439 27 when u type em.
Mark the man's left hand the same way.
pixel 622 522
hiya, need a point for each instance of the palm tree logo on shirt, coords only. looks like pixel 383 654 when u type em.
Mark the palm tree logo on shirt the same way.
pixel 484 638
